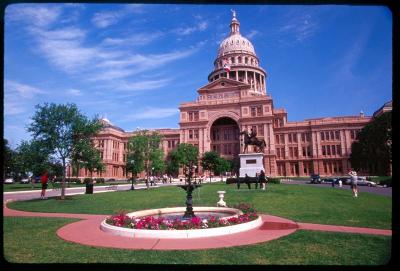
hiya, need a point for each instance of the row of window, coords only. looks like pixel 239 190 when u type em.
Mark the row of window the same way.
pixel 332 167
pixel 331 150
pixel 172 143
pixel 226 134
pixel 330 135
pixel 193 133
pixel 193 115
pixel 239 60
pixel 227 149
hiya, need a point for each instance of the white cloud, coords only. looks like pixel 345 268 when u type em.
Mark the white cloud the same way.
pixel 252 34
pixel 133 40
pixel 13 108
pixel 153 113
pixel 33 14
pixel 74 92
pixel 141 85
pixel 23 91
pixel 107 18
pixel 201 26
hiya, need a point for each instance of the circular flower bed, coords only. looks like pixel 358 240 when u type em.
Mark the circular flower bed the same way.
pixel 161 223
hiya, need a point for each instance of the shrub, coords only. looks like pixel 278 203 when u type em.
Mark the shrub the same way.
pixel 274 180
pixel 99 180
pixel 87 180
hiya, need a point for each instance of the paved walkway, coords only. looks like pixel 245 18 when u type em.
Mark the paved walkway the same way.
pixel 87 232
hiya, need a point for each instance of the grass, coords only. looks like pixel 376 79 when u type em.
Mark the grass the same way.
pixel 34 240
pixel 301 203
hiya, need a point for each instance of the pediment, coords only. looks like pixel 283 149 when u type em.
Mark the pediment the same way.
pixel 222 83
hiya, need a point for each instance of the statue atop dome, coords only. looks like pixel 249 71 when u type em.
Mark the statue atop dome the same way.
pixel 233 13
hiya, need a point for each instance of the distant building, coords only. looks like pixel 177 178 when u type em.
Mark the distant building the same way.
pixel 236 99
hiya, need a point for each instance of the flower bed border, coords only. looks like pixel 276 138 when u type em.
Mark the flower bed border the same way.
pixel 180 234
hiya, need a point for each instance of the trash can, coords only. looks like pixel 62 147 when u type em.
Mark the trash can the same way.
pixel 89 188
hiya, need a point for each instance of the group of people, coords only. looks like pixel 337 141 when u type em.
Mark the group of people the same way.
pixel 260 181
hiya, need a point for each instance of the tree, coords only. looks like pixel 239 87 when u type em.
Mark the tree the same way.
pixel 210 161
pixel 90 158
pixel 222 166
pixel 373 150
pixel 63 130
pixel 187 157
pixel 172 163
pixel 32 156
pixel 144 152
pixel 8 160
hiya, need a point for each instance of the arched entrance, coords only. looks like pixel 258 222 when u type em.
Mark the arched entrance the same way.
pixel 224 135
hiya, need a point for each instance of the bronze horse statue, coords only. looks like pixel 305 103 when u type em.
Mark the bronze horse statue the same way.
pixel 253 141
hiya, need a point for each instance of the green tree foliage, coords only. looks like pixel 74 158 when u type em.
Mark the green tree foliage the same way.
pixel 8 160
pixel 210 161
pixel 214 162
pixel 89 158
pixel 32 156
pixel 64 131
pixel 186 155
pixel 172 163
pixel 373 150
pixel 144 153
pixel 222 166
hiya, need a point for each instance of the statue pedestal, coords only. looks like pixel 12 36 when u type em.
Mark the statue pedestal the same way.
pixel 250 164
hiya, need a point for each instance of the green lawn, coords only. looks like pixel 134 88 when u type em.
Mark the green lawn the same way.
pixel 301 203
pixel 34 240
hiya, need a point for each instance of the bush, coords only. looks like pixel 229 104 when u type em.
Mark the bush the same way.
pixel 87 180
pixel 99 180
pixel 274 180
pixel 387 180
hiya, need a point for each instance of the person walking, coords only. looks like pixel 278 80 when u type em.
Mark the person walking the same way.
pixel 44 179
pixel 247 180
pixel 353 183
pixel 262 180
pixel 238 182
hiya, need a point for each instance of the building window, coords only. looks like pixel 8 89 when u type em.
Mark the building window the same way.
pixel 190 134
pixel 294 137
pixel 256 111
pixel 338 150
pixel 282 139
pixel 290 138
pixel 277 139
pixel 333 149
pixel 328 149
pixel 323 150
pixel 327 135
pixel 337 135
pixel 194 116
pixel 260 130
pixel 332 135
pixel 322 136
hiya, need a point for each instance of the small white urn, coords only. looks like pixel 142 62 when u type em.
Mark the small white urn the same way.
pixel 221 202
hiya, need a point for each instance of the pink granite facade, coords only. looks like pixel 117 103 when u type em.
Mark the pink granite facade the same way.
pixel 236 99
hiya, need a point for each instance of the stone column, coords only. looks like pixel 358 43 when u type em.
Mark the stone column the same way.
pixel 237 75
pixel 245 76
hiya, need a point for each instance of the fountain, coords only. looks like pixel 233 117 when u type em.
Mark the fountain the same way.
pixel 189 187
pixel 202 213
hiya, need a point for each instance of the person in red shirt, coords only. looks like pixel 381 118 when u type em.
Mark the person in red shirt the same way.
pixel 44 179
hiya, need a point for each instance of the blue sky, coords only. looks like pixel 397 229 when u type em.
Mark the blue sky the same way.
pixel 135 64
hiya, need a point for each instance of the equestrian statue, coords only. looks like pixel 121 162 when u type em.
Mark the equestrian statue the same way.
pixel 251 139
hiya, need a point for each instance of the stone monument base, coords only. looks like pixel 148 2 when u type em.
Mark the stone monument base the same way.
pixel 250 164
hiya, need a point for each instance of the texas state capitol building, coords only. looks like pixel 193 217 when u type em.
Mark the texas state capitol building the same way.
pixel 236 99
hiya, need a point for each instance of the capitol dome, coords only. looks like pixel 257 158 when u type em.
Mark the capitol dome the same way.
pixel 235 43
pixel 237 60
